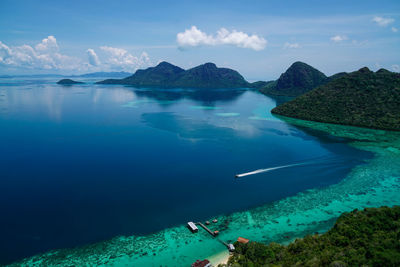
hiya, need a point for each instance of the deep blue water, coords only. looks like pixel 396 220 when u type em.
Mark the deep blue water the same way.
pixel 85 163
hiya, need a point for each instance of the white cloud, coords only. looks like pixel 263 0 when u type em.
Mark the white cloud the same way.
pixel 5 52
pixel 144 59
pixel 48 45
pixel 120 59
pixel 394 29
pixel 92 57
pixel 382 21
pixel 195 37
pixel 338 38
pixel 44 55
pixel 288 45
pixel 396 68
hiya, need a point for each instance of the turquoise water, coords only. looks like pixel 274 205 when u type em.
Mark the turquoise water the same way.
pixel 106 161
pixel 369 185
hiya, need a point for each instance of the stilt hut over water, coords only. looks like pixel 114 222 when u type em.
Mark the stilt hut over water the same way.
pixel 192 227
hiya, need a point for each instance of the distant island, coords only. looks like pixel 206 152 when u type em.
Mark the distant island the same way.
pixel 167 75
pixel 112 74
pixel 359 238
pixel 68 82
pixel 298 79
pixel 362 98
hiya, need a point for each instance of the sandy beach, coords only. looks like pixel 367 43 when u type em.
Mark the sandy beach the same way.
pixel 219 258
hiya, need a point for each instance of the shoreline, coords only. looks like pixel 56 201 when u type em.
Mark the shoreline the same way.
pixel 287 119
pixel 219 258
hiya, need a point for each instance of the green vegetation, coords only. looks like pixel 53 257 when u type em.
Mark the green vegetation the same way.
pixel 209 76
pixel 359 238
pixel 361 98
pixel 260 84
pixel 166 75
pixel 298 79
pixel 160 76
pixel 68 82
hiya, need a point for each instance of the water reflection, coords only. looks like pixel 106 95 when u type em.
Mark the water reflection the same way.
pixel 185 127
pixel 46 100
pixel 116 95
pixel 44 95
pixel 204 97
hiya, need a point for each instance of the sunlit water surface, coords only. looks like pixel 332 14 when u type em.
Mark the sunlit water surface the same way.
pixel 85 163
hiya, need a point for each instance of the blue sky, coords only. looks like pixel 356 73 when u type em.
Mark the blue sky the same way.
pixel 260 39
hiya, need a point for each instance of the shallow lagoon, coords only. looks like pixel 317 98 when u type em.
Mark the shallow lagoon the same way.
pixel 86 163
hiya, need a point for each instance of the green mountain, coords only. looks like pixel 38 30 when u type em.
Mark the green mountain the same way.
pixel 298 79
pixel 166 75
pixel 360 238
pixel 361 98
pixel 68 82
pixel 161 75
pixel 210 76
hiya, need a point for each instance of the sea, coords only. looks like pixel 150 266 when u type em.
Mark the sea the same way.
pixel 111 174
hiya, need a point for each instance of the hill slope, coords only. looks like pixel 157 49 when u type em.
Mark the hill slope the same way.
pixel 361 98
pixel 209 76
pixel 359 238
pixel 159 76
pixel 166 75
pixel 298 79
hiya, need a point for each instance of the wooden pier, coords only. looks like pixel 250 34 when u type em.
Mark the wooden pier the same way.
pixel 207 229
pixel 192 225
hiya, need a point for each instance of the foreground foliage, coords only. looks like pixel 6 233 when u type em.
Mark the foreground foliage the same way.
pixel 359 238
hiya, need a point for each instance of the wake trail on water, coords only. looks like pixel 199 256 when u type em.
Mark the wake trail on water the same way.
pixel 318 160
pixel 267 170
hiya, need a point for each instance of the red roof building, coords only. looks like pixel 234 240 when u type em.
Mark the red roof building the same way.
pixel 242 240
pixel 203 263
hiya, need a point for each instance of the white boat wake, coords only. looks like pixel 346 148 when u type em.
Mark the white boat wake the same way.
pixel 267 170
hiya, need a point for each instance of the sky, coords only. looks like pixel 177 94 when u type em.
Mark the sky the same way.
pixel 260 39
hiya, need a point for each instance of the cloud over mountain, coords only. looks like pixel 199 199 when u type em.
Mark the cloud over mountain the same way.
pixel 195 37
pixel 118 58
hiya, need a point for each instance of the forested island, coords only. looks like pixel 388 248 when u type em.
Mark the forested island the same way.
pixel 368 237
pixel 68 82
pixel 167 75
pixel 362 98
